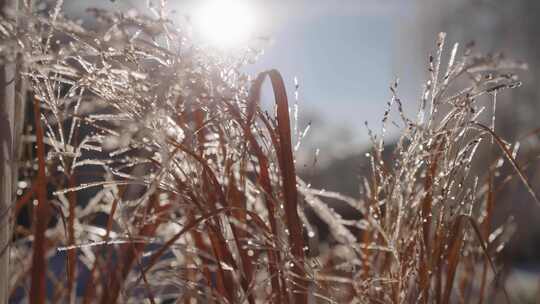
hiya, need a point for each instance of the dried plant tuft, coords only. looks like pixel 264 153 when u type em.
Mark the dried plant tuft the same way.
pixel 151 172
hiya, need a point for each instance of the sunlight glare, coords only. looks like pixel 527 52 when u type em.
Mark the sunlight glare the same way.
pixel 225 23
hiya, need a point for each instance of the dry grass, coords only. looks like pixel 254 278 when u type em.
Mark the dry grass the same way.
pixel 157 176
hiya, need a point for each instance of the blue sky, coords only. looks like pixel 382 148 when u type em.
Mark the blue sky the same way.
pixel 343 63
pixel 345 54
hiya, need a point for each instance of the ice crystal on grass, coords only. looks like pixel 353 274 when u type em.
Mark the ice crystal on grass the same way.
pixel 426 218
pixel 167 181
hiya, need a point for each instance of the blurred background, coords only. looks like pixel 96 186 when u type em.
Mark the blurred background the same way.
pixel 341 56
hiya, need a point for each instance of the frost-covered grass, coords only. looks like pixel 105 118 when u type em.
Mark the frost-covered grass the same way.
pixel 151 172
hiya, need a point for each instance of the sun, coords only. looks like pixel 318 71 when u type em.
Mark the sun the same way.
pixel 225 23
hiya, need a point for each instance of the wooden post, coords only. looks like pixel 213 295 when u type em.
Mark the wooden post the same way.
pixel 7 159
pixel 7 166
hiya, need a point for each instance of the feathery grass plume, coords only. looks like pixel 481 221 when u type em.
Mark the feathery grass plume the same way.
pixel 426 210
pixel 157 176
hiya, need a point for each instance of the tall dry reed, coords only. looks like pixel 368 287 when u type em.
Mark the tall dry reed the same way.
pixel 152 173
